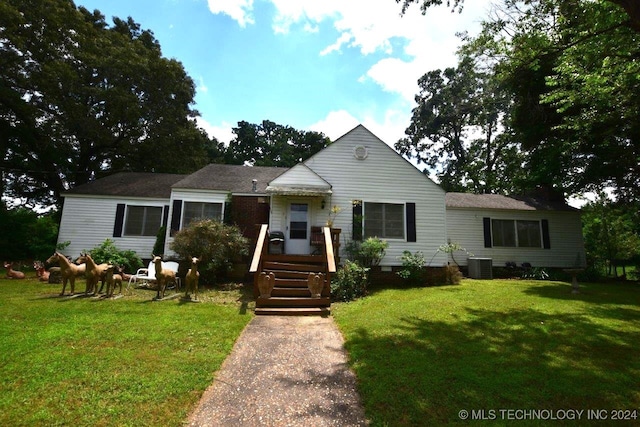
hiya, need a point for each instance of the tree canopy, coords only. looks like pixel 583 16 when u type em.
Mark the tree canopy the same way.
pixel 80 98
pixel 570 71
pixel 271 144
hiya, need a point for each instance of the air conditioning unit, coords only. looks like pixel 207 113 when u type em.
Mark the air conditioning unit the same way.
pixel 480 268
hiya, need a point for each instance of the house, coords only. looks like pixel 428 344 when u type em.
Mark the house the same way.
pixel 541 231
pixel 377 192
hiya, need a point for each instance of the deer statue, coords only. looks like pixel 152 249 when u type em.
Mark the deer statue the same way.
pixel 192 278
pixel 112 281
pixel 93 274
pixel 163 276
pixel 68 270
pixel 11 273
pixel 41 272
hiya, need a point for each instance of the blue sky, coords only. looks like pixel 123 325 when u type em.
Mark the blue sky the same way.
pixel 314 65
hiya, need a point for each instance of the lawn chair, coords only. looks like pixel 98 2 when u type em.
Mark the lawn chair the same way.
pixel 148 275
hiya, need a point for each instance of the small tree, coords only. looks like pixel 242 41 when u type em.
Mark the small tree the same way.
pixel 216 244
pixel 368 253
pixel 107 252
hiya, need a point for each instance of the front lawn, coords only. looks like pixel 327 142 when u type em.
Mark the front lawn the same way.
pixel 423 355
pixel 124 362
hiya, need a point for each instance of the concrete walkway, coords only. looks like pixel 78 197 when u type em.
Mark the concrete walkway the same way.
pixel 283 371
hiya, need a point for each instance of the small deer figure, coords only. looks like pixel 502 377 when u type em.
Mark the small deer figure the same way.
pixel 11 273
pixel 163 276
pixel 112 280
pixel 41 272
pixel 192 278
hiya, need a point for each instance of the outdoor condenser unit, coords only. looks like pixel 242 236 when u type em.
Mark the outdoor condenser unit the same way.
pixel 480 268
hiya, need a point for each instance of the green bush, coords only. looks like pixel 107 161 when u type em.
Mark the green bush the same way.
pixel 368 253
pixel 412 267
pixel 350 282
pixel 26 235
pixel 107 252
pixel 216 244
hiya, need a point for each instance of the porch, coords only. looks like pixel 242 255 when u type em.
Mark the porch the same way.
pixel 284 283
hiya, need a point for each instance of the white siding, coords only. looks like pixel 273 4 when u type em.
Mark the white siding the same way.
pixel 298 175
pixel 383 176
pixel 87 221
pixel 186 195
pixel 465 226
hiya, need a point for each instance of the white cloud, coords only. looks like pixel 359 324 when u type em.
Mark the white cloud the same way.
pixel 239 10
pixel 337 123
pixel 201 86
pixel 223 132
pixel 422 43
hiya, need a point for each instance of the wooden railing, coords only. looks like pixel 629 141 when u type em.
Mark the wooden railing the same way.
pixel 328 255
pixel 261 249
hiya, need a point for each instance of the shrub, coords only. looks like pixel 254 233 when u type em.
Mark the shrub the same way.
pixel 412 267
pixel 452 275
pixel 216 244
pixel 368 253
pixel 107 252
pixel 350 282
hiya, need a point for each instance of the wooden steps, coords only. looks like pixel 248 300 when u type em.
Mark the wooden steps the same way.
pixel 293 311
pixel 291 295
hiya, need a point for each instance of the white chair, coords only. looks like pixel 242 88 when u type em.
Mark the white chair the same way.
pixel 148 274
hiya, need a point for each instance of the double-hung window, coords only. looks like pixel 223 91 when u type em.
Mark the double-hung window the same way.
pixel 384 220
pixel 516 233
pixel 200 210
pixel 143 220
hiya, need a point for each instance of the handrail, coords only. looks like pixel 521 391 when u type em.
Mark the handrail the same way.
pixel 328 244
pixel 257 253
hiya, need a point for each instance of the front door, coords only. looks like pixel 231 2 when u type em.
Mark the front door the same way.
pixel 297 235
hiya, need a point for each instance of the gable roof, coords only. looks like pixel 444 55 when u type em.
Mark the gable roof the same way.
pixel 130 184
pixel 232 178
pixel 300 180
pixel 498 201
pixel 361 136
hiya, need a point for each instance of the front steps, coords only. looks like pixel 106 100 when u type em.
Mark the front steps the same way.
pixel 291 295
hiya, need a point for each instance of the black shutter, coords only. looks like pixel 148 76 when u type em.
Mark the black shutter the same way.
pixel 175 217
pixel 357 220
pixel 411 222
pixel 486 222
pixel 165 215
pixel 117 227
pixel 546 242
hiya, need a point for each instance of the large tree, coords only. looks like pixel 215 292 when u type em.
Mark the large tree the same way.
pixel 271 144
pixel 459 129
pixel 80 98
pixel 571 67
pixel 631 7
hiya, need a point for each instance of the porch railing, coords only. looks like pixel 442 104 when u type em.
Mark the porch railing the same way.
pixel 262 245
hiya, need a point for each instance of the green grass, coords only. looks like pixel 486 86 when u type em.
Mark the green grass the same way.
pixel 422 355
pixel 124 362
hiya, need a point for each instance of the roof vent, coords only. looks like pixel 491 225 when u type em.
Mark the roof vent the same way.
pixel 254 188
pixel 360 152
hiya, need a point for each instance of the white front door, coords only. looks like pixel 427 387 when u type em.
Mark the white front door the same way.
pixel 297 234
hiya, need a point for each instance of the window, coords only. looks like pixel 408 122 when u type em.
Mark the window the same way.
pixel 143 220
pixel 384 220
pixel 196 210
pixel 516 233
